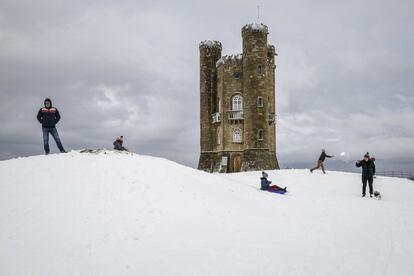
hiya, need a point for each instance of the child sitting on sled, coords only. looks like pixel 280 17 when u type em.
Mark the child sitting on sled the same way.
pixel 265 184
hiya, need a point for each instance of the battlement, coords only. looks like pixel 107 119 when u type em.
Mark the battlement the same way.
pixel 255 27
pixel 230 59
pixel 210 44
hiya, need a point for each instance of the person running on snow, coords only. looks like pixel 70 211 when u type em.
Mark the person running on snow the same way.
pixel 265 184
pixel 321 160
pixel 118 143
pixel 49 116
pixel 368 169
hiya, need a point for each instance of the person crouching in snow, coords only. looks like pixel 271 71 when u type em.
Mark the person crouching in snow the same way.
pixel 265 184
pixel 368 169
pixel 118 143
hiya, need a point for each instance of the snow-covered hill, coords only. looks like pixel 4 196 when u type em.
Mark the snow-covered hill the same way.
pixel 124 214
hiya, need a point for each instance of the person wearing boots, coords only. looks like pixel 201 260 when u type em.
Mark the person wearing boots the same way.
pixel 321 160
pixel 368 169
pixel 49 116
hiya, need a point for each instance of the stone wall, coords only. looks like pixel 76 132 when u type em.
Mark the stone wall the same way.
pixel 210 53
pixel 250 75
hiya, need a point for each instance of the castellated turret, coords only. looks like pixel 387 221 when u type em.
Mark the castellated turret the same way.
pixel 237 105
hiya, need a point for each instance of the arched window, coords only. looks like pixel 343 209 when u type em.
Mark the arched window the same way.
pixel 259 69
pixel 237 103
pixel 260 101
pixel 218 136
pixel 237 135
pixel 260 135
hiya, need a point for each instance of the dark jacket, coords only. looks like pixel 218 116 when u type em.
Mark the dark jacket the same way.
pixel 264 183
pixel 323 156
pixel 118 144
pixel 48 117
pixel 373 162
pixel 368 168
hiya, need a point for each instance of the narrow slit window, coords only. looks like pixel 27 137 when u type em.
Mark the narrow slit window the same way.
pixel 259 101
pixel 260 135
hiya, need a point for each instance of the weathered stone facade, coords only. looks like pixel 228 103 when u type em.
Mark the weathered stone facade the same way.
pixel 237 105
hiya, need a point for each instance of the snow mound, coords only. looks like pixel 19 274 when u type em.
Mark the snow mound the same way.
pixel 111 213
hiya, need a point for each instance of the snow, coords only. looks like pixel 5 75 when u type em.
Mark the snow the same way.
pixel 228 58
pixel 210 44
pixel 257 27
pixel 126 214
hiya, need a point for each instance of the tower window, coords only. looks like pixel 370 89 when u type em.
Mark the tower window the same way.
pixel 237 75
pixel 260 135
pixel 237 135
pixel 260 101
pixel 259 69
pixel 219 104
pixel 218 136
pixel 237 103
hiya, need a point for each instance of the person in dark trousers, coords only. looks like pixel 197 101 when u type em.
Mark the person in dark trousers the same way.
pixel 321 160
pixel 118 144
pixel 368 169
pixel 49 116
pixel 265 184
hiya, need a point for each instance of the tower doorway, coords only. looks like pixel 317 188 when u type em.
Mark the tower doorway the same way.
pixel 237 162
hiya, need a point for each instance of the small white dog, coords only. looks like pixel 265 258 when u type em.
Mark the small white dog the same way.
pixel 377 195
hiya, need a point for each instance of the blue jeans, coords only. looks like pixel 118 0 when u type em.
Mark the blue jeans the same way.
pixel 53 131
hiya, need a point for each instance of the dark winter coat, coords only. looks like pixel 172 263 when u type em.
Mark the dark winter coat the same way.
pixel 118 144
pixel 48 117
pixel 373 162
pixel 368 168
pixel 264 183
pixel 323 156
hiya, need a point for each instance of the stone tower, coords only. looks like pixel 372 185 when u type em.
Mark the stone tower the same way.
pixel 237 105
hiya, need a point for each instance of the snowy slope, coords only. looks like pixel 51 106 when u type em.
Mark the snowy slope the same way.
pixel 123 214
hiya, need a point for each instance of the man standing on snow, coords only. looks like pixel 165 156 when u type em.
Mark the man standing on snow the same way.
pixel 49 116
pixel 321 160
pixel 368 170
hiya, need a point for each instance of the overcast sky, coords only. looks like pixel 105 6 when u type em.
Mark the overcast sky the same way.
pixel 344 77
